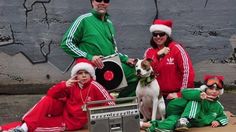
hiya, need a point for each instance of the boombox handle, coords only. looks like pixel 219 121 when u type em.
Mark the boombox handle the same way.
pixel 110 100
pixel 110 56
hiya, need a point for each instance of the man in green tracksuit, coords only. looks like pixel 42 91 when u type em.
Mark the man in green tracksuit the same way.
pixel 91 36
pixel 198 107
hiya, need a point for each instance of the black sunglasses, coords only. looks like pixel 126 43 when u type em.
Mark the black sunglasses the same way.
pixel 105 1
pixel 158 34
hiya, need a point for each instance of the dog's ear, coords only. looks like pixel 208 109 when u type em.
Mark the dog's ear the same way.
pixel 149 60
pixel 152 75
pixel 135 61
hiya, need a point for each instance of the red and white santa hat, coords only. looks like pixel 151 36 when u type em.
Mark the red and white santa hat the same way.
pixel 162 25
pixel 83 64
pixel 213 81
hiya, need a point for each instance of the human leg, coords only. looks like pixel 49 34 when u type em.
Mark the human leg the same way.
pixel 176 106
pixel 166 125
pixel 132 80
pixel 46 109
pixel 10 125
pixel 190 112
pixel 128 91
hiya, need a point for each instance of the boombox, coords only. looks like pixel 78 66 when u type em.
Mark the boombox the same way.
pixel 111 76
pixel 119 118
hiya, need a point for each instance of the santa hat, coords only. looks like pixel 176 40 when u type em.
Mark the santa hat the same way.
pixel 162 25
pixel 83 64
pixel 215 81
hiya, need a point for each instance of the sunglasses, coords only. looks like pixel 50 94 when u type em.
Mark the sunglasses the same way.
pixel 158 34
pixel 214 81
pixel 105 1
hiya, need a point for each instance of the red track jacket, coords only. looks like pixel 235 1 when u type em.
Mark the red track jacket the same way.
pixel 75 97
pixel 174 71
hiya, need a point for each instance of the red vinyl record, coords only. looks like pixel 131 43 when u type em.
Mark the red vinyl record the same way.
pixel 110 76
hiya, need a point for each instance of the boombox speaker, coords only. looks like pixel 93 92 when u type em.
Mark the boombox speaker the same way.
pixel 111 76
pixel 119 118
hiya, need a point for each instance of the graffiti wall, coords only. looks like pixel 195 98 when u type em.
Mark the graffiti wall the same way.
pixel 31 31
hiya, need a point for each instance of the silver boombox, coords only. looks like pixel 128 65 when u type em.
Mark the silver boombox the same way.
pixel 118 118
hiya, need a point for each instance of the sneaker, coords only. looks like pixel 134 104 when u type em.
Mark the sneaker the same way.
pixel 162 130
pixel 182 125
pixel 17 129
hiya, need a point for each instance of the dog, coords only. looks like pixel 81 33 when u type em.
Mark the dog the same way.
pixel 151 102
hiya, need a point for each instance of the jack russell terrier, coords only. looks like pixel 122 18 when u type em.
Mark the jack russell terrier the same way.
pixel 151 102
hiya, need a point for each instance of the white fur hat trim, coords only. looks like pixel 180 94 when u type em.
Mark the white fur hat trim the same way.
pixel 83 66
pixel 159 27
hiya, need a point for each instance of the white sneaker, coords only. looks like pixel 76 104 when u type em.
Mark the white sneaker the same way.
pixel 17 129
pixel 182 125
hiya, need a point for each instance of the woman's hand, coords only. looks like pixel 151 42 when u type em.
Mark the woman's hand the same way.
pixel 163 51
pixel 172 96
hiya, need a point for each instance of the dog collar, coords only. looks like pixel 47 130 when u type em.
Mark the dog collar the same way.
pixel 147 80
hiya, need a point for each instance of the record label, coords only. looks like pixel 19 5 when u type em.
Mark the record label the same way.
pixel 108 75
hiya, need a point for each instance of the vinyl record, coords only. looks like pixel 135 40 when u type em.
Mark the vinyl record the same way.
pixel 110 76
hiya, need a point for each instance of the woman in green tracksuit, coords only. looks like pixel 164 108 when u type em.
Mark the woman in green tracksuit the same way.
pixel 198 107
pixel 91 36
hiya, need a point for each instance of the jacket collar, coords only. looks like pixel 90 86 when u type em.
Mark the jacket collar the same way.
pixel 82 86
pixel 97 15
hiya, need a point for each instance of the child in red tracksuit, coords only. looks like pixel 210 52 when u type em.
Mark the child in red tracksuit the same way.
pixel 63 107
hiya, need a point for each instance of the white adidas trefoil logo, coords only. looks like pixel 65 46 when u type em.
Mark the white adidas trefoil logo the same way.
pixel 170 61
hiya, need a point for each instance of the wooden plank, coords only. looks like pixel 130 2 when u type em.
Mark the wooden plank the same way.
pixel 231 127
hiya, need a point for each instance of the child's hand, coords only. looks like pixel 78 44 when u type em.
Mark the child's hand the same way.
pixel 203 95
pixel 71 81
pixel 145 125
pixel 215 124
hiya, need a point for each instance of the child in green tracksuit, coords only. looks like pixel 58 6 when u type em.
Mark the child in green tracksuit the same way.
pixel 197 107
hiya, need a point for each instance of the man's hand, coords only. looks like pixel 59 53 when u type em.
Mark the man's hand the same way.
pixel 70 82
pixel 97 61
pixel 163 51
pixel 130 61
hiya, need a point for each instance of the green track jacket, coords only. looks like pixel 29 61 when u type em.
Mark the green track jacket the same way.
pixel 89 36
pixel 209 110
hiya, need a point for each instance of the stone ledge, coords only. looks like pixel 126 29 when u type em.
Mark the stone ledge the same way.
pixel 17 89
pixel 14 89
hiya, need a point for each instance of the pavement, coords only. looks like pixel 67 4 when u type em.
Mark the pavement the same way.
pixel 13 107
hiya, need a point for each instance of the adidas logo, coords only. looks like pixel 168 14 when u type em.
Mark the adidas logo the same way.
pixel 170 61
